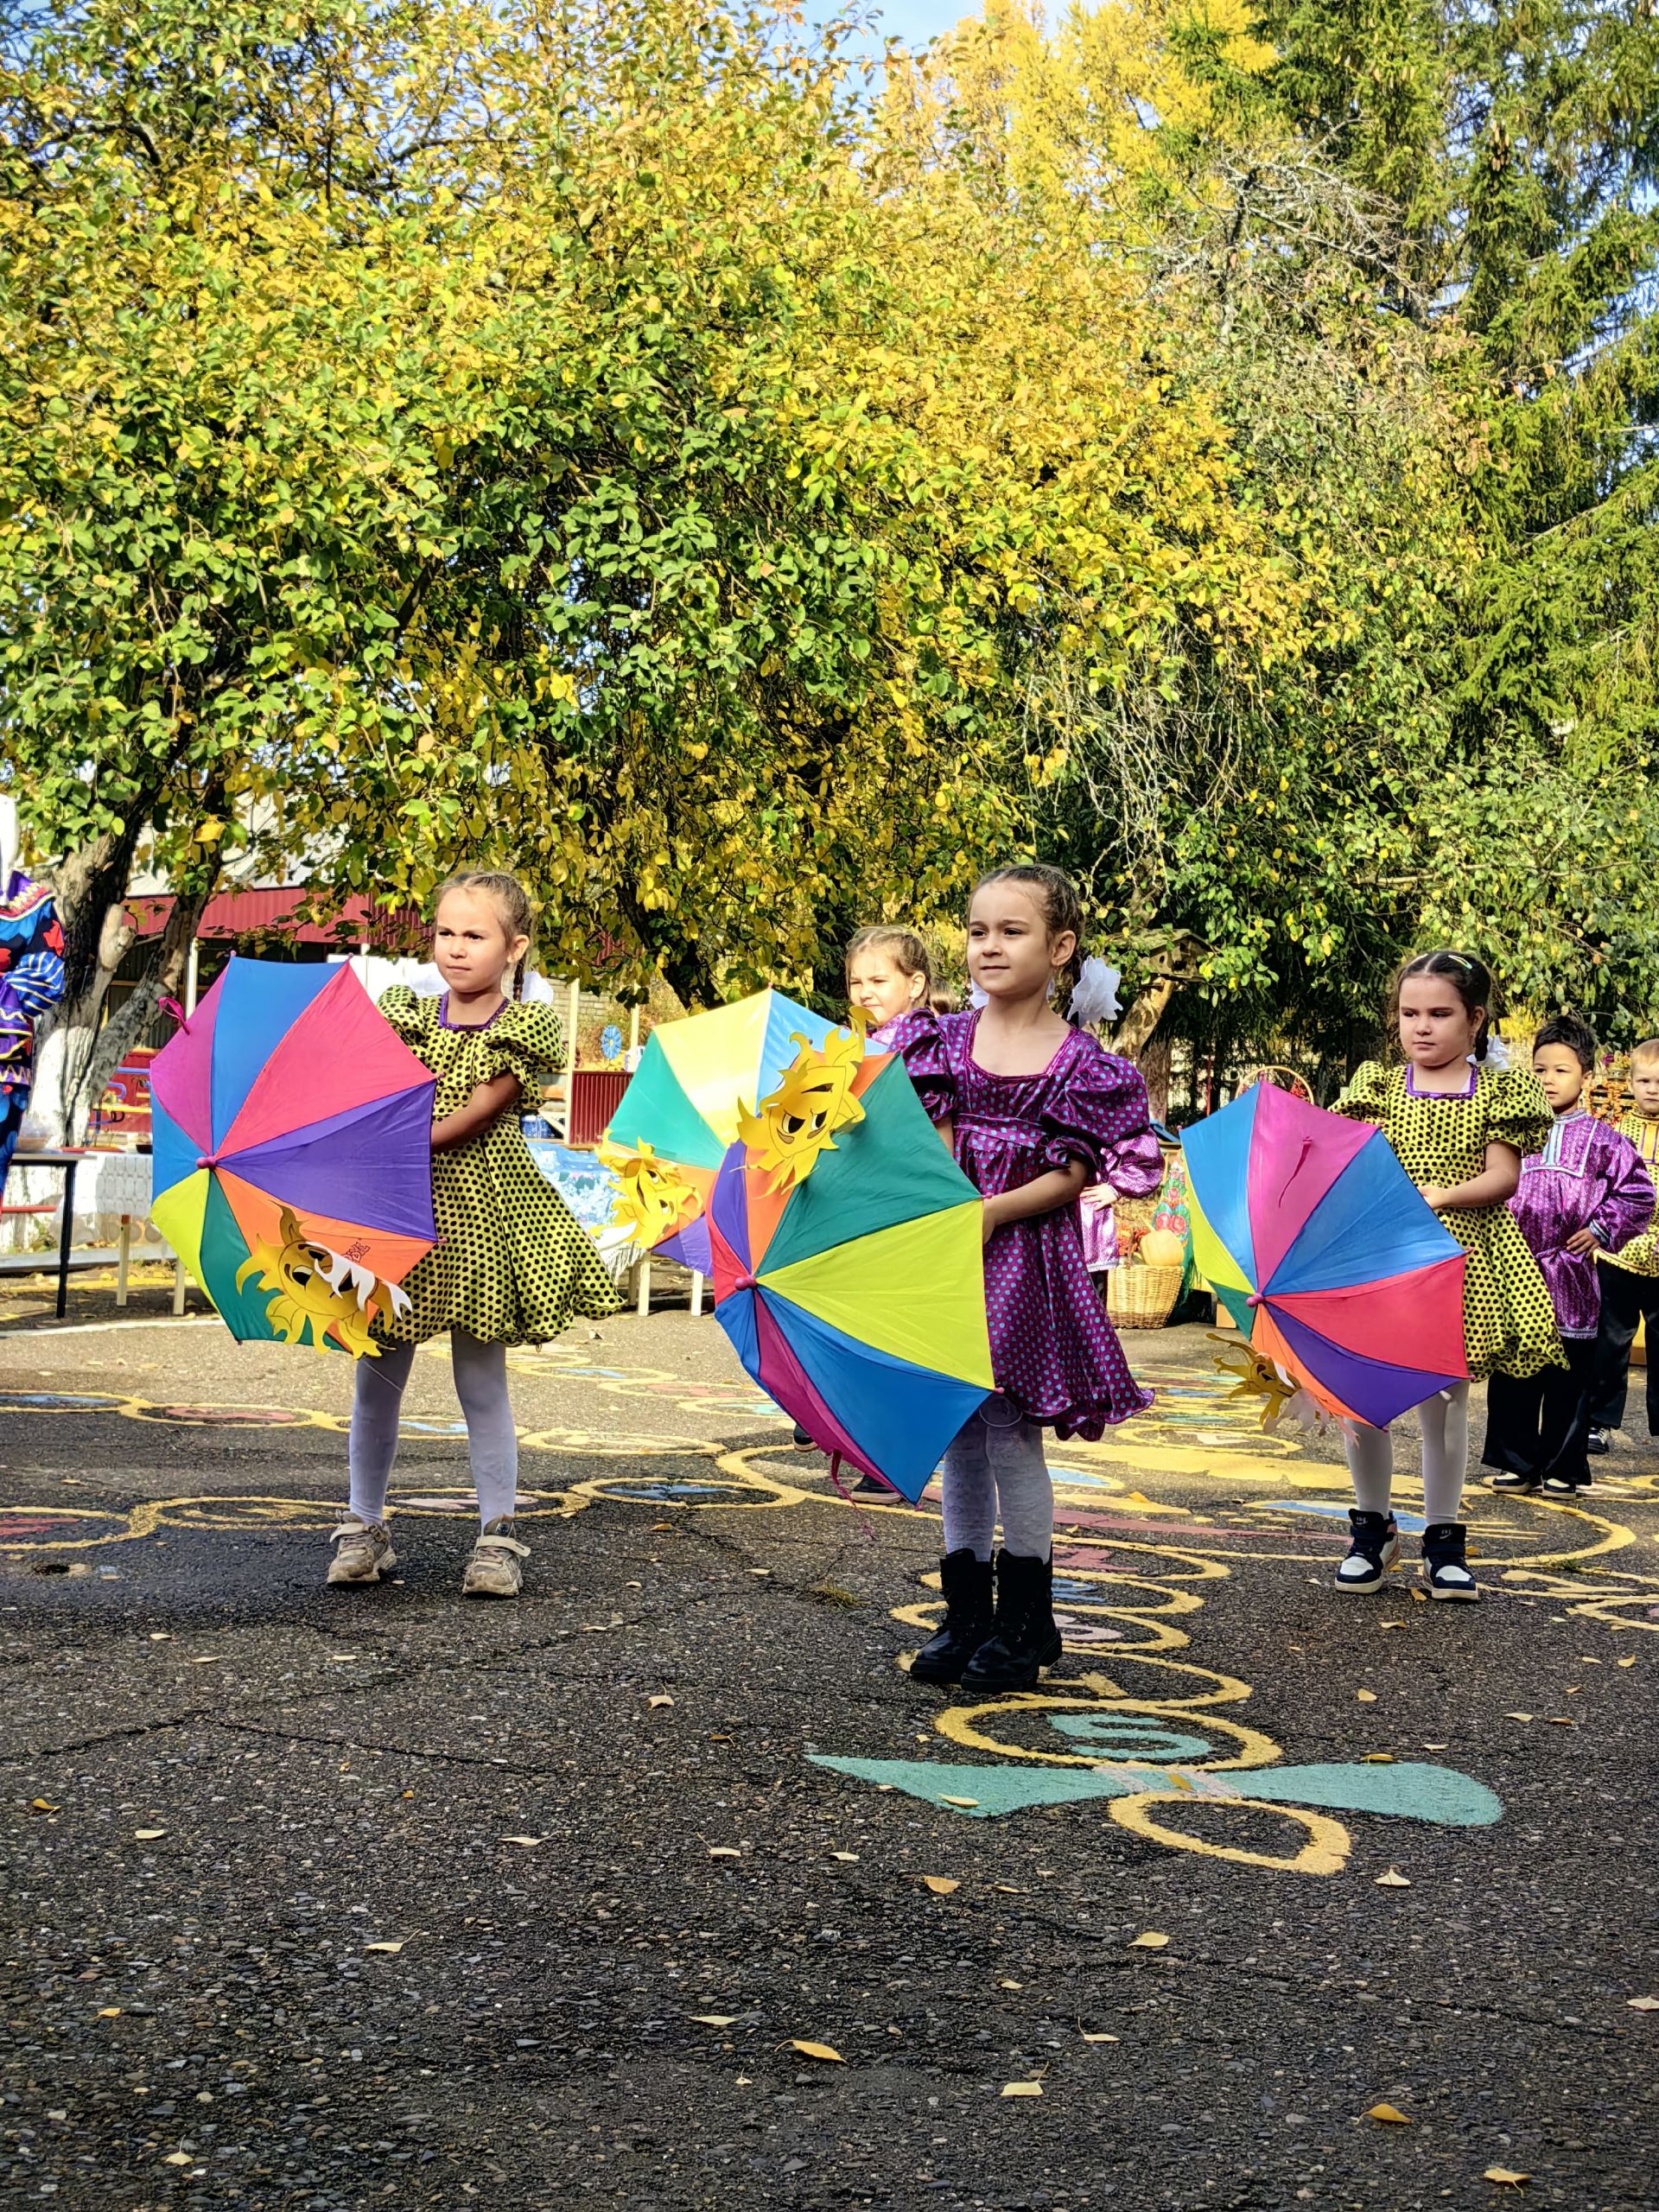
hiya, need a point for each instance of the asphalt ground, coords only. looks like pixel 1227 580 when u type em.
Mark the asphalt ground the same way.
pixel 327 1899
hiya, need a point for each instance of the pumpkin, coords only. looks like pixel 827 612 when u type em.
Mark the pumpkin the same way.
pixel 1162 1248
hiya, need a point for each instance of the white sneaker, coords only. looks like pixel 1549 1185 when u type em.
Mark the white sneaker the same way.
pixel 1373 1552
pixel 363 1552
pixel 493 1570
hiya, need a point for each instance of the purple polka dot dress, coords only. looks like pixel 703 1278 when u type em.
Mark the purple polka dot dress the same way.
pixel 1054 1354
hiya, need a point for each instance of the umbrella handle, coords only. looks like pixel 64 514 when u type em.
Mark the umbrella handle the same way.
pixel 171 1007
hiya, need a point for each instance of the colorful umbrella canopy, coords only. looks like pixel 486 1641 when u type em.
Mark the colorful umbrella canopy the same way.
pixel 1321 1249
pixel 292 1129
pixel 855 1296
pixel 681 1112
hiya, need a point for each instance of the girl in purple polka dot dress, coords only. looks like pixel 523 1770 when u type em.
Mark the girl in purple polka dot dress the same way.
pixel 1035 1110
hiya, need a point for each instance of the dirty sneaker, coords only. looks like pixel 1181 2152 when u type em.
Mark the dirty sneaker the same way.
pixel 493 1570
pixel 363 1552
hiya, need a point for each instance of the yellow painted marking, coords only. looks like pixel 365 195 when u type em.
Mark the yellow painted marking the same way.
pixel 1325 1851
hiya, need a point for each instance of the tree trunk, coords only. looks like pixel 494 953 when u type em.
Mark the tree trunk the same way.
pixel 1134 1032
pixel 89 886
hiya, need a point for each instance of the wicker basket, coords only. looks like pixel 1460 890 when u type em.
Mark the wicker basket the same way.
pixel 1140 1297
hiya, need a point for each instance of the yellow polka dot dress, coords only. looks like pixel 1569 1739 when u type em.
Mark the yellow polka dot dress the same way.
pixel 1508 1323
pixel 512 1265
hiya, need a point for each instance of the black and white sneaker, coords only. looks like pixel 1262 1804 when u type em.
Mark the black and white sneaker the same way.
pixel 1509 1480
pixel 1375 1550
pixel 1596 1444
pixel 1445 1568
pixel 1559 1486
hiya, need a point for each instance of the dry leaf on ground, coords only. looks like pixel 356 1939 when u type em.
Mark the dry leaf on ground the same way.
pixel 178 2158
pixel 663 1700
pixel 1643 2004
pixel 1366 1697
pixel 528 1842
pixel 959 1801
pixel 715 2020
pixel 1377 1758
pixel 1393 1881
pixel 847 1858
pixel 1150 1942
pixel 724 1851
pixel 1630 1661
pixel 1518 1716
pixel 1390 2112
pixel 1097 2038
pixel 109 2013
pixel 390 1949
pixel 41 1805
pixel 1022 2089
pixel 1006 1984
pixel 1506 2174
pixel 146 1835
pixel 941 1884
pixel 817 2051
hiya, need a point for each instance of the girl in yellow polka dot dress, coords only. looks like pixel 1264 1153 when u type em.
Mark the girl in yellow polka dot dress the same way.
pixel 1461 1130
pixel 511 1265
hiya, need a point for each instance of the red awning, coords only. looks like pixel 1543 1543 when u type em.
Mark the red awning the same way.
pixel 271 914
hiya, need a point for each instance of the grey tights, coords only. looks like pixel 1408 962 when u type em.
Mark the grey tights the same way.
pixel 1445 1423
pixel 994 1462
pixel 492 1440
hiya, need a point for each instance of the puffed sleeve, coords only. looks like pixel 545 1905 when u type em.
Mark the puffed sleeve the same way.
pixel 1625 1208
pixel 919 1040
pixel 402 1008
pixel 526 1038
pixel 1519 1113
pixel 1366 1098
pixel 1098 1113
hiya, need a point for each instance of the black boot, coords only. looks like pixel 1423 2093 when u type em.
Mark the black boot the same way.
pixel 969 1618
pixel 1027 1639
pixel 1445 1568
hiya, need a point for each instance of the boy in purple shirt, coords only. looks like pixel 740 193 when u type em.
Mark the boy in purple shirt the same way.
pixel 1586 1192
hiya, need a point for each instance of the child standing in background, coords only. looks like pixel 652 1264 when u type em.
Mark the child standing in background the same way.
pixel 1630 1278
pixel 511 1266
pixel 1586 1192
pixel 1035 1110
pixel 1460 1130
pixel 888 978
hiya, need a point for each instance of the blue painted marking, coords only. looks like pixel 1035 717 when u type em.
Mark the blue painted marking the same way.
pixel 1138 1736
pixel 1411 1524
pixel 1409 1791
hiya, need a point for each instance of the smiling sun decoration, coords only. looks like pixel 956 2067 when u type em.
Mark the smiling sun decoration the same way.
pixel 796 1124
pixel 319 1291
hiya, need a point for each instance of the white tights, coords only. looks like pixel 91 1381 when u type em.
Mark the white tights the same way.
pixel 994 1465
pixel 1444 1421
pixel 480 1372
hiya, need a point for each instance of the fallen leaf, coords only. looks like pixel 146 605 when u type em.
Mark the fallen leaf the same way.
pixel 958 1801
pixel 41 1805
pixel 1419 1597
pixel 1006 1984
pixel 178 2158
pixel 1561 1721
pixel 760 1570
pixel 146 1835
pixel 1390 2112
pixel 847 1858
pixel 1386 1625
pixel 161 1636
pixel 1393 1881
pixel 724 1851
pixel 662 1528
pixel 110 2013
pixel 1436 1747
pixel 391 1949
pixel 715 2020
pixel 1573 1689
pixel 1150 1942
pixel 1506 2174
pixel 1518 1716
pixel 1089 2039
pixel 528 1842
pixel 1022 2089
pixel 1366 1697
pixel 1643 2004
pixel 941 1884
pixel 1377 1758
pixel 817 2051
pixel 663 1700
pixel 1586 1660
pixel 207 1659
pixel 1630 1661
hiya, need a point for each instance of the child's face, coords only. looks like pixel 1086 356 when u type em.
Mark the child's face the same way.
pixel 1010 953
pixel 470 943
pixel 877 983
pixel 1645 1087
pixel 1436 1028
pixel 1557 1069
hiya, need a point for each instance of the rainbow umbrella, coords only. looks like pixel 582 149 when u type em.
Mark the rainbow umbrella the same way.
pixel 1319 1245
pixel 679 1115
pixel 855 1297
pixel 292 1131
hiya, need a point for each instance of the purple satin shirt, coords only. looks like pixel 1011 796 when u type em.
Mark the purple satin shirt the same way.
pixel 1587 1176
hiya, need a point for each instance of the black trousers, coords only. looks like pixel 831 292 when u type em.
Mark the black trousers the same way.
pixel 1539 1426
pixel 1625 1300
